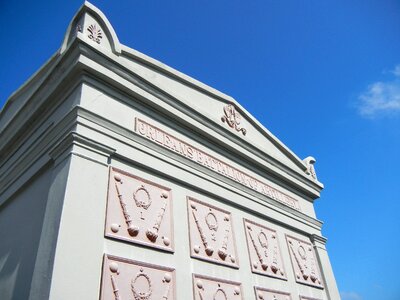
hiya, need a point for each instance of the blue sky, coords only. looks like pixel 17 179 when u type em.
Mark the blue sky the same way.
pixel 323 76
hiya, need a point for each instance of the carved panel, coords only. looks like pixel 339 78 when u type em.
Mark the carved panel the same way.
pixel 208 288
pixel 139 211
pixel 304 262
pixel 267 294
pixel 264 251
pixel 127 279
pixel 211 233
pixel 308 298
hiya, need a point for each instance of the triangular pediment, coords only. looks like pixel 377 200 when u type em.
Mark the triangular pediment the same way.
pixel 223 113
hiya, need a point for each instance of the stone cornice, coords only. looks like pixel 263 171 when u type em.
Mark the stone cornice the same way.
pixel 120 76
pixel 121 135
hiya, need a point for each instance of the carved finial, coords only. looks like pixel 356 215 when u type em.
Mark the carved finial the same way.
pixel 310 161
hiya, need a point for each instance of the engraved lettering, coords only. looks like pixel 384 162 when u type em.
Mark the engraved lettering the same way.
pixel 142 128
pixel 190 152
pixel 151 133
pixel 186 150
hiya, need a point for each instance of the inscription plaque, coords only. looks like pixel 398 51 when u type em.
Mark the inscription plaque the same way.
pixel 205 288
pixel 127 279
pixel 304 262
pixel 264 251
pixel 267 294
pixel 192 153
pixel 211 233
pixel 139 211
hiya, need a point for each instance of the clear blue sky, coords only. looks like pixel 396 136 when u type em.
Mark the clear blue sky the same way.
pixel 323 76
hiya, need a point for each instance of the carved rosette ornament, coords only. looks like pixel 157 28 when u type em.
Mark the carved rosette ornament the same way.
pixel 304 262
pixel 139 211
pixel 205 288
pixel 232 118
pixel 211 234
pixel 264 251
pixel 128 279
pixel 94 33
pixel 268 294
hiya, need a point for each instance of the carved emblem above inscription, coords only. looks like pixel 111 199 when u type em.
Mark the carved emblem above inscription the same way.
pixel 304 262
pixel 139 211
pixel 208 288
pixel 267 294
pixel 264 251
pixel 95 33
pixel 232 118
pixel 211 233
pixel 127 279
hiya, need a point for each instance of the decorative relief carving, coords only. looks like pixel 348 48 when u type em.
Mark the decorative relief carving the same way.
pixel 204 159
pixel 264 251
pixel 232 118
pixel 267 294
pixel 308 298
pixel 128 279
pixel 208 288
pixel 211 236
pixel 95 33
pixel 304 262
pixel 310 161
pixel 139 211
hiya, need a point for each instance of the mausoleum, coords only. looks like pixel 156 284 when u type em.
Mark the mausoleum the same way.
pixel 122 178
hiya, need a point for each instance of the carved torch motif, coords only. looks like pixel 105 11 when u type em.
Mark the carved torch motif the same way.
pixel 232 118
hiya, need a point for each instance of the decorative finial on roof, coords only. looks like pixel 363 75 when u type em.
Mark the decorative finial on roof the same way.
pixel 310 161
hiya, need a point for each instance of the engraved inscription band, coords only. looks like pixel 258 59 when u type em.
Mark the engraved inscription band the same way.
pixel 168 141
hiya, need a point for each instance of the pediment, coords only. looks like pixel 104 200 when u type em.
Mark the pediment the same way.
pixel 221 110
pixel 223 113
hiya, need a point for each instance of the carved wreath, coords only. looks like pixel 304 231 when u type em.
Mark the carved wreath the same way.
pixel 232 118
pixel 138 295
pixel 139 202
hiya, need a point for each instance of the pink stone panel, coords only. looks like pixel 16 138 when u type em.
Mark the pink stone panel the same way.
pixel 264 251
pixel 139 211
pixel 211 233
pixel 304 262
pixel 127 279
pixel 267 294
pixel 205 288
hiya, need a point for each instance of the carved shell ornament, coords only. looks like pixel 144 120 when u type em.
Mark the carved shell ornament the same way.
pixel 232 118
pixel 94 33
